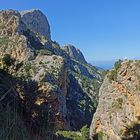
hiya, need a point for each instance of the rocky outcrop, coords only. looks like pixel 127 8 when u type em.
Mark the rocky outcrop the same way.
pixel 12 41
pixel 37 22
pixel 10 23
pixel 118 113
pixel 74 53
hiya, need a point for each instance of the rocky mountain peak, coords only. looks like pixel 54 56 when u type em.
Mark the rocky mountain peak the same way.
pixel 37 22
pixel 74 53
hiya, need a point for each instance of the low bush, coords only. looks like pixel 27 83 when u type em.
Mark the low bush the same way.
pixel 44 52
pixel 112 75
pixel 117 64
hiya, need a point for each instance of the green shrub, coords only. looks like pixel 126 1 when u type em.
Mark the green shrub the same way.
pixel 85 132
pixel 118 103
pixel 112 75
pixel 83 104
pixel 44 52
pixel 7 60
pixel 69 135
pixel 28 67
pixel 117 64
pixel 29 70
pixel 4 40
pixel 100 135
pixel 73 135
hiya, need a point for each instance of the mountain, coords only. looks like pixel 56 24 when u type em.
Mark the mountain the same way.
pixel 74 53
pixel 118 114
pixel 44 87
pixel 35 20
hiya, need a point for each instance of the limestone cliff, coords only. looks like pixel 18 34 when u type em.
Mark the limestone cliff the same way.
pixel 19 46
pixel 118 113
pixel 11 39
pixel 55 87
pixel 37 22
pixel 74 53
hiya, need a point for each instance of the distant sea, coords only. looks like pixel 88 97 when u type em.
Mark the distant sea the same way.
pixel 106 65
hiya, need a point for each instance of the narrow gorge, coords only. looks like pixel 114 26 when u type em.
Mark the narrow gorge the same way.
pixel 50 92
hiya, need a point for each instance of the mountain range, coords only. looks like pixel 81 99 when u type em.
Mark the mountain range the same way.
pixel 50 92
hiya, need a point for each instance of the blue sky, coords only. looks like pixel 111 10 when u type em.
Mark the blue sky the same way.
pixel 102 29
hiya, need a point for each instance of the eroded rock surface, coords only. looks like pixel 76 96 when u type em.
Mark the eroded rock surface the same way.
pixel 118 113
pixel 74 53
pixel 37 22
pixel 52 78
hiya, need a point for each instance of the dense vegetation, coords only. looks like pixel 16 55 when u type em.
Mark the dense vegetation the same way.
pixel 83 134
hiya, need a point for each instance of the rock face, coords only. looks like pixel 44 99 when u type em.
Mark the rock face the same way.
pixel 10 23
pixel 51 75
pixel 12 41
pixel 23 47
pixel 118 113
pixel 74 53
pixel 37 22
pixel 83 84
pixel 52 81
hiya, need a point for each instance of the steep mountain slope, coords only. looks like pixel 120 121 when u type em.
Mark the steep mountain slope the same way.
pixel 84 81
pixel 74 53
pixel 18 46
pixel 55 87
pixel 118 113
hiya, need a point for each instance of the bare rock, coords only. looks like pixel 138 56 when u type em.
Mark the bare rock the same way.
pixel 74 53
pixel 37 22
pixel 12 41
pixel 117 115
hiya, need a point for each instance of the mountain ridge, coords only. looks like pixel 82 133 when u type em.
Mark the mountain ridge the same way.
pixel 51 80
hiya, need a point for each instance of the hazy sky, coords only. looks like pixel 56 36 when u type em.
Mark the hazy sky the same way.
pixel 102 29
